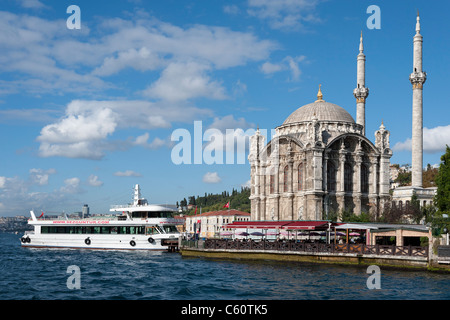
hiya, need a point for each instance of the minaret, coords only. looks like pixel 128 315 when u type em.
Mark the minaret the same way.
pixel 417 78
pixel 361 92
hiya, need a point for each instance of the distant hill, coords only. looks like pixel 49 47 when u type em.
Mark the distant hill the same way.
pixel 239 200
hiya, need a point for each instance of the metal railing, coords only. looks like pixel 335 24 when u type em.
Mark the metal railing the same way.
pixel 293 246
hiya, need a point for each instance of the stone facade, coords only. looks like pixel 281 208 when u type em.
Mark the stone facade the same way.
pixel 318 165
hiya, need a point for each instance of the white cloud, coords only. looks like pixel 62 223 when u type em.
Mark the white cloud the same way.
pixel 269 68
pixel 211 177
pixel 18 195
pixel 293 66
pixel 72 185
pixel 139 59
pixel 127 173
pixel 47 58
pixel 87 125
pixel 284 14
pixel 247 184
pixel 40 176
pixel 184 81
pixel 31 4
pixel 229 122
pixel 288 63
pixel 231 9
pixel 434 140
pixel 79 134
pixel 2 182
pixel 44 51
pixel 94 181
pixel 143 141
pixel 228 135
pixel 93 124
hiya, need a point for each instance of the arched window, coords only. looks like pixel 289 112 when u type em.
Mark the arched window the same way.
pixel 300 177
pixel 348 178
pixel 286 179
pixel 364 179
pixel 331 176
pixel 272 183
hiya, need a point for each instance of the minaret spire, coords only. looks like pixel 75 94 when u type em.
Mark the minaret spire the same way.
pixel 418 23
pixel 361 92
pixel 361 46
pixel 417 78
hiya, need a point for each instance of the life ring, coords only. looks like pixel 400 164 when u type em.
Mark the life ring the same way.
pixel 132 243
pixel 151 240
pixel 87 241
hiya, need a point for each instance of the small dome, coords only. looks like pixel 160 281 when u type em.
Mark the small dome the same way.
pixel 322 111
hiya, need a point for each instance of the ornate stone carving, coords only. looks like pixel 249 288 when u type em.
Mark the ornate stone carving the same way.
pixel 361 93
pixel 418 79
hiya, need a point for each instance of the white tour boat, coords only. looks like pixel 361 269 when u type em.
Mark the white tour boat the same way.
pixel 138 226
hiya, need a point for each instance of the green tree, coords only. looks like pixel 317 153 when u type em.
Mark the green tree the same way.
pixel 442 198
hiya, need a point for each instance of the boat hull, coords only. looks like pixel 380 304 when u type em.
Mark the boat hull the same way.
pixel 97 242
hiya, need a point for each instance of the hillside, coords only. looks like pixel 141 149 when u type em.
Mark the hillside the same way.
pixel 214 202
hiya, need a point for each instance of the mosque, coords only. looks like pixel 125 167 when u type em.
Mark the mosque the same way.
pixel 320 162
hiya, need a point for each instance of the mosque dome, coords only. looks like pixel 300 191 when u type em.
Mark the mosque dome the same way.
pixel 321 110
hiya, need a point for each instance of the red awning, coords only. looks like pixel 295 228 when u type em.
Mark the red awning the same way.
pixel 293 225
pixel 306 225
pixel 257 224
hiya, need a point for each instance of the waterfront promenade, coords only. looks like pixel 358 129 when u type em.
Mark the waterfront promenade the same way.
pixel 353 254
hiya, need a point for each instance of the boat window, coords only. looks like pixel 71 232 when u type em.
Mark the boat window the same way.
pixel 124 230
pixel 105 230
pixel 152 230
pixel 170 229
pixel 140 230
pixel 160 214
pixel 97 230
pixel 139 214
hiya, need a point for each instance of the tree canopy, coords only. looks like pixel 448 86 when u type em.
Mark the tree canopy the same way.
pixel 239 200
pixel 442 199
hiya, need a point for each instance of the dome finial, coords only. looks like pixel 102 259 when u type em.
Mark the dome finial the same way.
pixel 319 94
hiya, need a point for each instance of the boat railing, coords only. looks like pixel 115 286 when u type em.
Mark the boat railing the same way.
pixel 315 247
pixel 62 218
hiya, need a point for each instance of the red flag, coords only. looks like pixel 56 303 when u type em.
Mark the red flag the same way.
pixel 195 210
pixel 227 205
pixel 42 214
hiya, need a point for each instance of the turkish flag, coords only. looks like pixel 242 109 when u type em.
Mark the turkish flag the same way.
pixel 227 205
pixel 195 210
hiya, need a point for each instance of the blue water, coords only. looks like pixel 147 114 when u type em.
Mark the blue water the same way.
pixel 42 274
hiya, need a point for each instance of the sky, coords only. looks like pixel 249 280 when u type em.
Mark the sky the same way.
pixel 86 113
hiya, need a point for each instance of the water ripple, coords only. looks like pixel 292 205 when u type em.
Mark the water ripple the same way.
pixel 41 274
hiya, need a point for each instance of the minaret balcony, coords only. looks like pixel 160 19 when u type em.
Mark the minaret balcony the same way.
pixel 418 79
pixel 361 93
